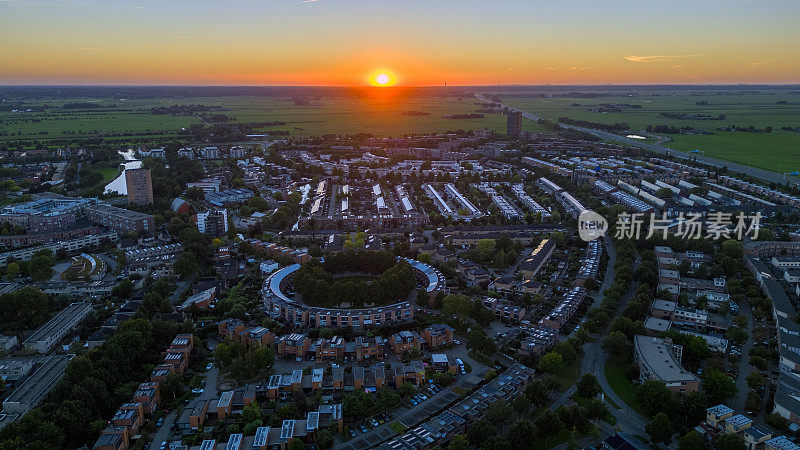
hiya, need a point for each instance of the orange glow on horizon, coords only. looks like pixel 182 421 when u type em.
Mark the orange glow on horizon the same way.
pixel 382 78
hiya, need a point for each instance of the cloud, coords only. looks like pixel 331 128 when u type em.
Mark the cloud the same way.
pixel 660 58
pixel 759 63
pixel 134 6
pixel 678 66
pixel 310 1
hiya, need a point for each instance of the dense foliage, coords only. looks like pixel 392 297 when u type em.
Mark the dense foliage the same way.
pixel 95 384
pixel 319 287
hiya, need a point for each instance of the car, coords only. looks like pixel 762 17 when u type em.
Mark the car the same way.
pixel 363 428
pixel 210 366
pixel 424 397
pixel 382 421
pixel 197 391
pixel 352 433
pixel 414 402
pixel 457 342
pixel 163 445
pixel 374 422
pixel 160 422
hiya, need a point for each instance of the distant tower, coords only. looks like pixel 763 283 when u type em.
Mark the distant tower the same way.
pixel 514 125
pixel 140 186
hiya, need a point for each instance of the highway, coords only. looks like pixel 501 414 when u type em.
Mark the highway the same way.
pixel 754 172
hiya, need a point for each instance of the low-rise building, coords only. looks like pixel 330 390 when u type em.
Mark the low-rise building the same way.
pixel 660 359
pixel 51 333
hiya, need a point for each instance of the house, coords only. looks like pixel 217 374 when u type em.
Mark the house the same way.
pixel 292 345
pixel 737 423
pixel 112 438
pixel 437 335
pixel 442 256
pixel 715 415
pixel 370 347
pixel 149 395
pixel 477 276
pixel 756 436
pixel 405 341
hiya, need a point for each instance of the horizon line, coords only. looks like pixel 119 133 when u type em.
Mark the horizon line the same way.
pixel 773 84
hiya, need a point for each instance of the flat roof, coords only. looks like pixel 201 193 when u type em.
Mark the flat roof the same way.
pixel 58 322
pixel 654 353
pixel 36 386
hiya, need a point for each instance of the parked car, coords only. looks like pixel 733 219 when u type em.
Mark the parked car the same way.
pixel 210 366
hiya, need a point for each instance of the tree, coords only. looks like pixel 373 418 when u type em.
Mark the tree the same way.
pixel 387 399
pixel 548 423
pixel 173 387
pixel 296 444
pixel 567 352
pixel 40 268
pixel 616 343
pixel 718 386
pixel 588 387
pixel 457 305
pixel 551 363
pixel 500 412
pixel 12 270
pixel 485 248
pixel 459 442
pixel 521 434
pixel 123 290
pixel 755 380
pixel 732 248
pixel 654 397
pixel 660 429
pixel 251 412
pixel 480 432
pixel 691 441
pixel 730 441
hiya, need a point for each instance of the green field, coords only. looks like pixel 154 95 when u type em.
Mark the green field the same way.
pixel 118 120
pixel 122 121
pixel 622 386
pixel 778 150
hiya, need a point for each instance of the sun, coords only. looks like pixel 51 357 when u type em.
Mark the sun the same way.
pixel 382 78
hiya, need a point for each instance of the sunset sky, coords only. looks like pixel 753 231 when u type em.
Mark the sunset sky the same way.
pixel 430 42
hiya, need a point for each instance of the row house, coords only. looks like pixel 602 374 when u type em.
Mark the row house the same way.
pixel 405 341
pixel 505 311
pixel 437 335
pixel 292 345
pixel 370 347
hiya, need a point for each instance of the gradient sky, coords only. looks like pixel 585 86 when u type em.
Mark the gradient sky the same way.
pixel 423 42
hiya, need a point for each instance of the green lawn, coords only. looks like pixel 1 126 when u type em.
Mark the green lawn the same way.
pixel 397 427
pixel 108 174
pixel 569 375
pixel 624 388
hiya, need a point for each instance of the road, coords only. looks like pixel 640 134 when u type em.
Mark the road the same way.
pixel 744 360
pixel 754 172
pixel 210 392
pixel 594 362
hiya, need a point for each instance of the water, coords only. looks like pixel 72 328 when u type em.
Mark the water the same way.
pixel 118 184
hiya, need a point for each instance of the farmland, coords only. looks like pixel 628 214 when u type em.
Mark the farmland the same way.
pixel 117 120
pixel 777 150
